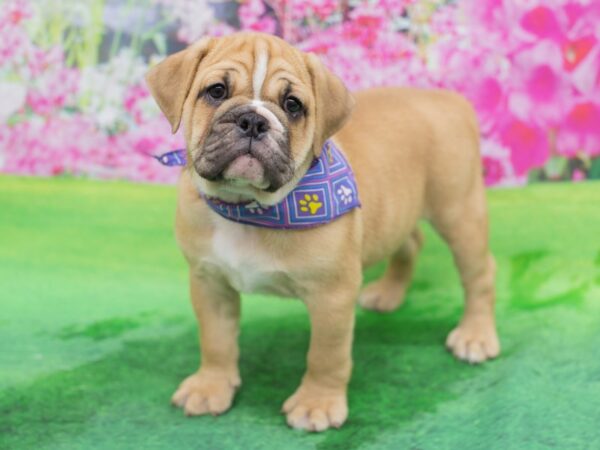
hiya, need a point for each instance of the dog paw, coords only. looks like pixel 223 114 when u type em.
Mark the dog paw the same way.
pixel 314 410
pixel 382 296
pixel 204 393
pixel 474 341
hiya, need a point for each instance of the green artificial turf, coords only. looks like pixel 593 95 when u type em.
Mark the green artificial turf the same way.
pixel 96 331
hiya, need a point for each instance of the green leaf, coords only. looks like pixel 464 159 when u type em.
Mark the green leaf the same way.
pixel 594 172
pixel 160 42
pixel 535 175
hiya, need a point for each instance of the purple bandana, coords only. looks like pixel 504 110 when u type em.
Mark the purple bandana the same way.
pixel 326 192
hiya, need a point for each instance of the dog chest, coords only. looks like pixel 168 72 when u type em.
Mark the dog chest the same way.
pixel 239 256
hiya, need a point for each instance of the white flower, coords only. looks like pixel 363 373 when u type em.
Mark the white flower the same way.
pixel 13 97
pixel 195 17
pixel 103 87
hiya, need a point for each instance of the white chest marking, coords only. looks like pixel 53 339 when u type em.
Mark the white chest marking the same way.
pixel 239 256
pixel 260 71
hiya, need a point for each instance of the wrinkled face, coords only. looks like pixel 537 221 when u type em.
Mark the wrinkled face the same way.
pixel 249 110
pixel 250 118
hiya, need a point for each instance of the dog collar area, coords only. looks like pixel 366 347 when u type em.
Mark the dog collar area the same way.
pixel 326 192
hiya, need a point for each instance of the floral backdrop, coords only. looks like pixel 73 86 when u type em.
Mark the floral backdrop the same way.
pixel 73 101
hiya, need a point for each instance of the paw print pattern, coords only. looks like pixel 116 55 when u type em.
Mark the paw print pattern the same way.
pixel 310 203
pixel 345 194
pixel 254 208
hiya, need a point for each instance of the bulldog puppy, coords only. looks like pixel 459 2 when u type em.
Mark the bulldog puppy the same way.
pixel 256 113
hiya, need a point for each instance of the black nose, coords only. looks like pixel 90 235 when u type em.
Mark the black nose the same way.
pixel 252 125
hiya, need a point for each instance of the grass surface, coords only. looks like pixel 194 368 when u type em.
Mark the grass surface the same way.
pixel 96 331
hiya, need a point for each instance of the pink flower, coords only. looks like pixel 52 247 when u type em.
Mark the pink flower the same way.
pixel 574 51
pixel 394 7
pixel 541 96
pixel 15 11
pixel 486 12
pixel 493 170
pixel 538 87
pixel 74 145
pixel 13 45
pixel 253 16
pixel 132 101
pixel 528 145
pixel 488 94
pixel 578 175
pixel 488 97
pixel 580 131
pixel 14 41
pixel 542 22
pixel 322 9
pixel 53 90
pixel 366 24
pixel 41 60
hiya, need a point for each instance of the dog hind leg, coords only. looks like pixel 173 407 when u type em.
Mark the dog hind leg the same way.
pixel 387 293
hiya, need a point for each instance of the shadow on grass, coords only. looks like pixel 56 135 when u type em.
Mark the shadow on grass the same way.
pixel 401 371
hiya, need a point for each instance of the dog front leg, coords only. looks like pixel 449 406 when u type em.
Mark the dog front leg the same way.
pixel 211 389
pixel 320 402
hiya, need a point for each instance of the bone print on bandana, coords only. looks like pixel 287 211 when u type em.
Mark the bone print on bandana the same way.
pixel 326 192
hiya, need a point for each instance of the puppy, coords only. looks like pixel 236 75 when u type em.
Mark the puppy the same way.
pixel 257 114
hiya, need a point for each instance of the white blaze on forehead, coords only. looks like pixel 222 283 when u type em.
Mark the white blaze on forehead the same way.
pixel 261 63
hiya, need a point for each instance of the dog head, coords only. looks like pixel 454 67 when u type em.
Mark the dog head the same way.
pixel 255 112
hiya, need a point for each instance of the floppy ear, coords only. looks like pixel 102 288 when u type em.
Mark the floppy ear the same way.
pixel 334 102
pixel 171 79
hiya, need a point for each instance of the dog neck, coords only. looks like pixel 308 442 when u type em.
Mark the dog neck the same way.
pixel 323 191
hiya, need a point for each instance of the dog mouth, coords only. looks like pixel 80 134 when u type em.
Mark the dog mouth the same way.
pixel 246 170
pixel 234 154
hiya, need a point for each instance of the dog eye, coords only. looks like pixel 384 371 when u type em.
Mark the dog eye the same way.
pixel 217 91
pixel 292 105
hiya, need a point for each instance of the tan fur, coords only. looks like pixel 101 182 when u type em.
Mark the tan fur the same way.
pixel 415 155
